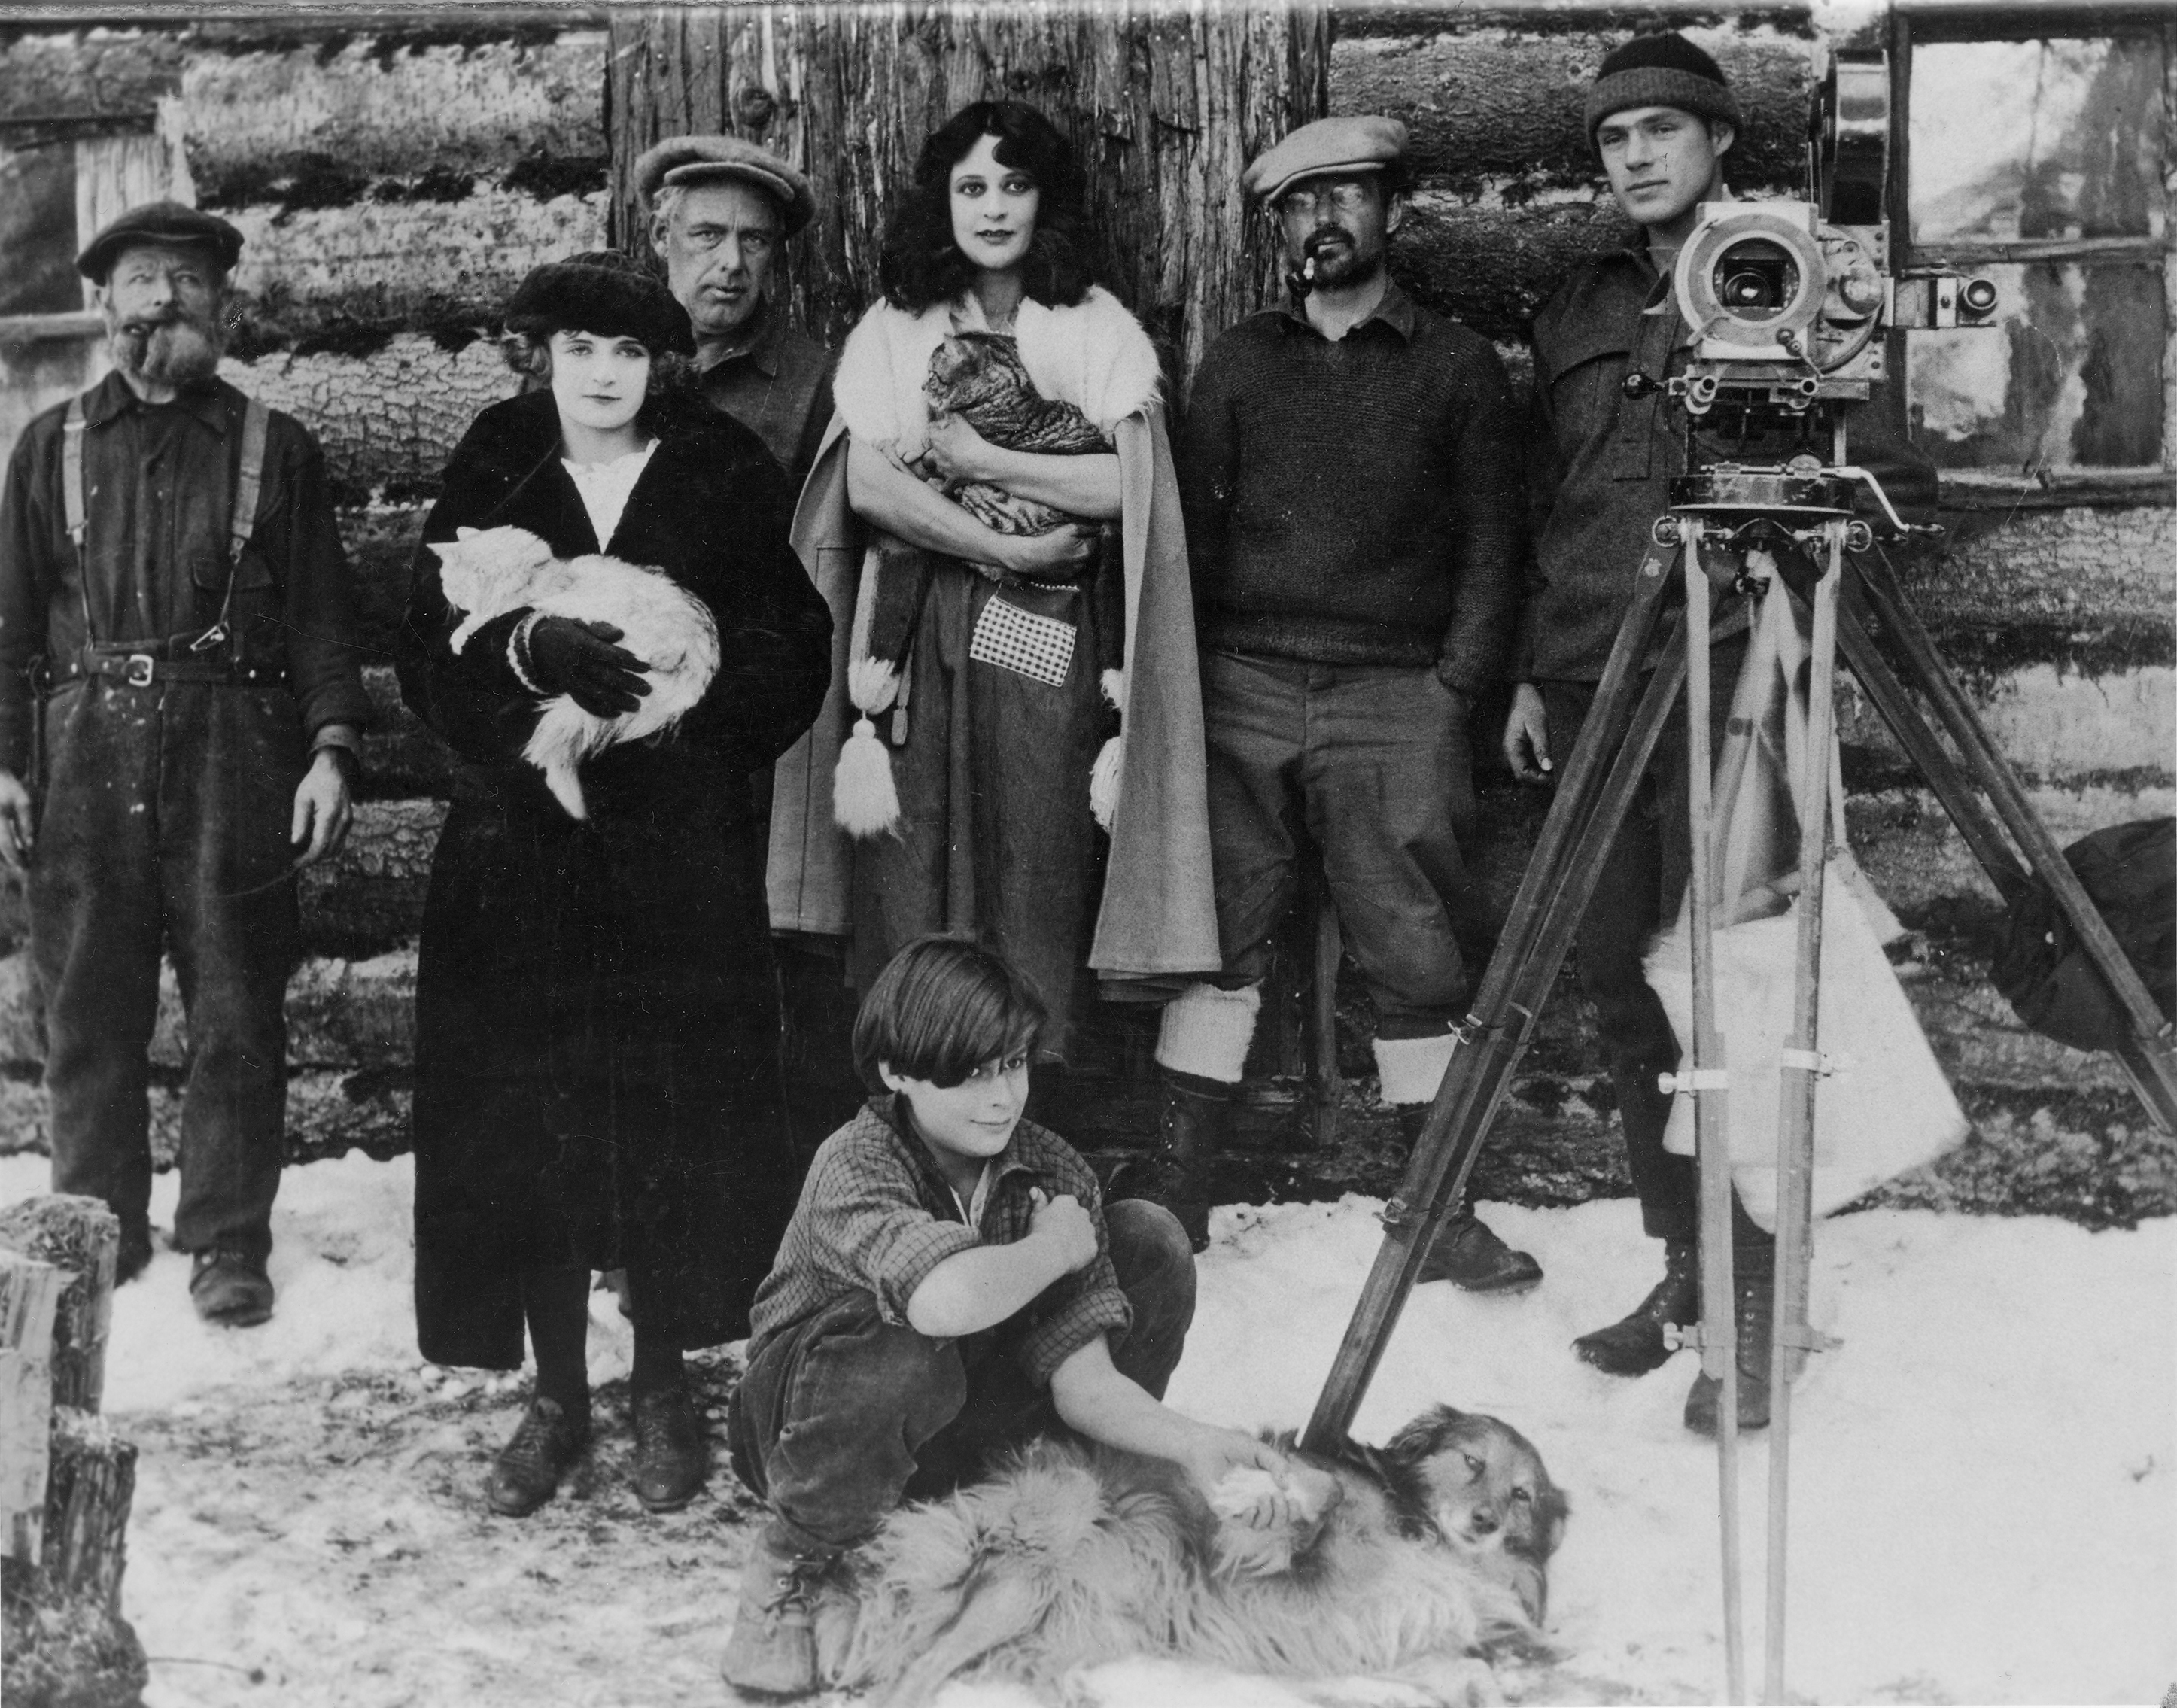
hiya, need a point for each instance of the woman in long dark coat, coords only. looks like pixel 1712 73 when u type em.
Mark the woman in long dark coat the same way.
pixel 596 1024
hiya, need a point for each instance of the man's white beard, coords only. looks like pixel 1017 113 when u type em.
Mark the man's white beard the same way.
pixel 177 351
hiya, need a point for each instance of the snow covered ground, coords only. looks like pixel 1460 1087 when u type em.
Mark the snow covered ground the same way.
pixel 1984 1476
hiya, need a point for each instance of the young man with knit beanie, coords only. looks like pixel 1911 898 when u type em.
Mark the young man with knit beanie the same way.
pixel 1604 446
pixel 1356 528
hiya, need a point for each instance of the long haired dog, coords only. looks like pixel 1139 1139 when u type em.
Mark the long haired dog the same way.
pixel 1409 1561
pixel 490 572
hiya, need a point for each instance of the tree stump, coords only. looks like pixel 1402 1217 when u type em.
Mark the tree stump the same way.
pixel 29 1293
pixel 66 1644
pixel 80 1235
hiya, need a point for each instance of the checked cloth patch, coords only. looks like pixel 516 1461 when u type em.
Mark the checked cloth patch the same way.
pixel 1041 649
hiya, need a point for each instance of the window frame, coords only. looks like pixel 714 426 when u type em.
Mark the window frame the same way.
pixel 1934 21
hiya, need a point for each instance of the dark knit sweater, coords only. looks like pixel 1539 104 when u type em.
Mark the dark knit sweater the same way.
pixel 1356 502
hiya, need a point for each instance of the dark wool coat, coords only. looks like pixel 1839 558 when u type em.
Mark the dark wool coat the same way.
pixel 597 1023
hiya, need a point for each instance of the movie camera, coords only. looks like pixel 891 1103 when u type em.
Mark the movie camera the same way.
pixel 1788 300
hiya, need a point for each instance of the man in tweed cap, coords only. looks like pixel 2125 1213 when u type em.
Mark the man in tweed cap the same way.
pixel 1355 521
pixel 721 212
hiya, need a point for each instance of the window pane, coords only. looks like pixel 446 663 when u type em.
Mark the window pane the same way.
pixel 37 232
pixel 2051 139
pixel 2069 377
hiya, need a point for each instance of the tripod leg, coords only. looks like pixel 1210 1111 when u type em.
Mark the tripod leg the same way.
pixel 2151 1058
pixel 1800 1075
pixel 1594 794
pixel 1711 1130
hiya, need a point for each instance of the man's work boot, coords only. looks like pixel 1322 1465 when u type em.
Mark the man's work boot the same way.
pixel 773 1650
pixel 1194 1124
pixel 229 1289
pixel 527 1470
pixel 1754 1303
pixel 1636 1345
pixel 669 1460
pixel 1465 1252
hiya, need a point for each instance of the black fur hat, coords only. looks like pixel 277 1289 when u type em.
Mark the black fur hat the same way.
pixel 606 292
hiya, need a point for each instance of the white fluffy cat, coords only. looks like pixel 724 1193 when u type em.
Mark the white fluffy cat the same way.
pixel 487 573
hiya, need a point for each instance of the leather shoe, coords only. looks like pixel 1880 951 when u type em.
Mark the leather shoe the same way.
pixel 1636 1344
pixel 527 1470
pixel 229 1288
pixel 1466 1253
pixel 670 1464
pixel 773 1650
pixel 1753 1304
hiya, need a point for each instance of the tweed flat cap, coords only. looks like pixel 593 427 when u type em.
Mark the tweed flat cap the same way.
pixel 1361 142
pixel 158 222
pixel 696 159
pixel 606 292
pixel 1663 70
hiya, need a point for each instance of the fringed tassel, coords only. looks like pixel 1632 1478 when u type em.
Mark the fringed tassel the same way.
pixel 1108 775
pixel 865 800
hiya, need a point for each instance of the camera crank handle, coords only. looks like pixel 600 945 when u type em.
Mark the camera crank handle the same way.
pixel 1904 530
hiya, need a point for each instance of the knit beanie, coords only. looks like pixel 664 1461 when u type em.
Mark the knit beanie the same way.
pixel 606 292
pixel 1665 70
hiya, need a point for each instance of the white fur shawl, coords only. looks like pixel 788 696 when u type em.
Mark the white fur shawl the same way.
pixel 1094 355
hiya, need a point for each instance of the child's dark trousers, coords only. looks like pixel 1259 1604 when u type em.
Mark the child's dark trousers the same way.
pixel 843 1416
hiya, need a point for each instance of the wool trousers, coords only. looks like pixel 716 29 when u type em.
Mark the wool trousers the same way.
pixel 164 825
pixel 845 1416
pixel 1370 765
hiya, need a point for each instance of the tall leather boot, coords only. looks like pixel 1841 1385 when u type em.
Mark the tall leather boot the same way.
pixel 1636 1344
pixel 1753 1304
pixel 1194 1123
pixel 1466 1250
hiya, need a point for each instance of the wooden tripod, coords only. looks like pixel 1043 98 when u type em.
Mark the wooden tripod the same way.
pixel 1854 598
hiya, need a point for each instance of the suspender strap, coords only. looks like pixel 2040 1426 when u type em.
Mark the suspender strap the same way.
pixel 72 472
pixel 241 519
pixel 249 484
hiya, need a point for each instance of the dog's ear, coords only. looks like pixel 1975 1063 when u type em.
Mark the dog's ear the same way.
pixel 1552 1508
pixel 1424 1434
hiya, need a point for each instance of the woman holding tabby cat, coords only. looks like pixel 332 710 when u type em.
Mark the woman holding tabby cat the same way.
pixel 596 1021
pixel 995 523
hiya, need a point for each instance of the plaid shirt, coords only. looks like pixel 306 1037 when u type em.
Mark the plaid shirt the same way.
pixel 876 1217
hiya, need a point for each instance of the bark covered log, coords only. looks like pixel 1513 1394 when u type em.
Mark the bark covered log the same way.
pixel 29 1293
pixel 1163 107
pixel 81 1236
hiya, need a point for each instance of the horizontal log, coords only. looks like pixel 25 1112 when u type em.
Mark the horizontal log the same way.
pixel 267 122
pixel 82 1237
pixel 2077 568
pixel 370 895
pixel 387 421
pixel 348 277
pixel 1493 267
pixel 1506 102
pixel 96 71
pixel 2057 727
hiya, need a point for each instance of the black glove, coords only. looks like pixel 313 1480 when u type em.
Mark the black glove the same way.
pixel 579 660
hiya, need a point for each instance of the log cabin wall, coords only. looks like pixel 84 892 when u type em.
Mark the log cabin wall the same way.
pixel 396 179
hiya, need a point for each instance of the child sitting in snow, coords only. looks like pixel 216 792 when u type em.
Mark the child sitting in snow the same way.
pixel 949 1286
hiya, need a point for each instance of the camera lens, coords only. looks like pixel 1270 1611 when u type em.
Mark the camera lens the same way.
pixel 1978 296
pixel 1755 279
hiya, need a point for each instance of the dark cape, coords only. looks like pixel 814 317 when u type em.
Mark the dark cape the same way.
pixel 596 1020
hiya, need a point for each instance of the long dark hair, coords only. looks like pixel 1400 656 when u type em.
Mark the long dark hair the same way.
pixel 921 264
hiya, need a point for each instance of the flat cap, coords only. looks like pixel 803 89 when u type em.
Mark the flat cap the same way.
pixel 696 159
pixel 158 222
pixel 1359 142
